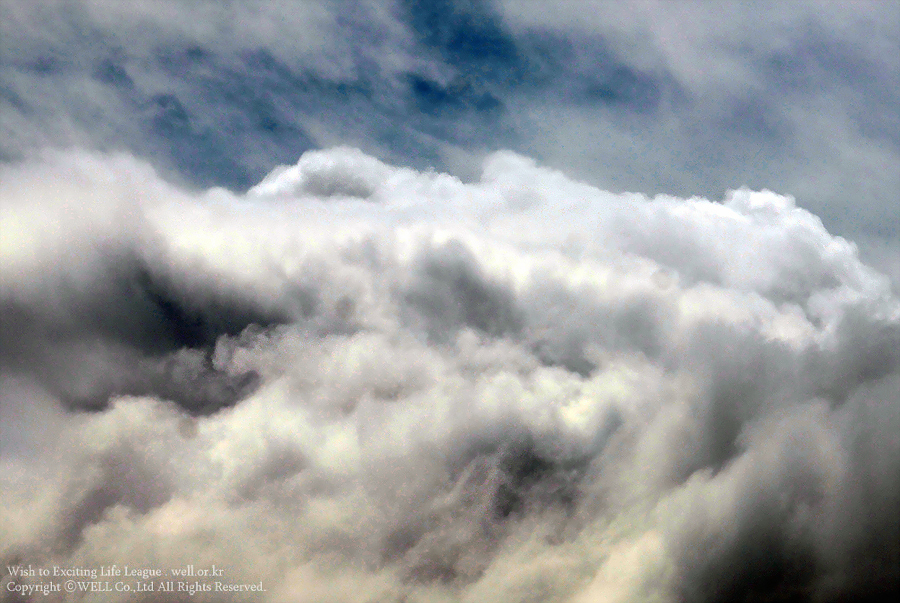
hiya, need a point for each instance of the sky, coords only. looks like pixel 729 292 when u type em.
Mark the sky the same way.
pixel 467 301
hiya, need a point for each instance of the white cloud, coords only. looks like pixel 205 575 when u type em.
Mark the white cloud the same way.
pixel 366 381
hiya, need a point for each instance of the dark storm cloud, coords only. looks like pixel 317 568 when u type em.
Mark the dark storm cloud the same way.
pixel 113 305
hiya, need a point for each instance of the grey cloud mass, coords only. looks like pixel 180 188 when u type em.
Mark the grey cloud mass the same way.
pixel 482 302
pixel 363 382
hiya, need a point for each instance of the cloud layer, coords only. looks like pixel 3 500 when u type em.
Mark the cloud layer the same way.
pixel 364 382
pixel 656 97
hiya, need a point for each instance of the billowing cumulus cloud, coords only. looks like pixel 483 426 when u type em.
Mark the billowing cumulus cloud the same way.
pixel 361 382
pixel 412 367
pixel 657 97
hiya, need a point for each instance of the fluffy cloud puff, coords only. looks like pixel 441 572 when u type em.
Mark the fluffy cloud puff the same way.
pixel 361 382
